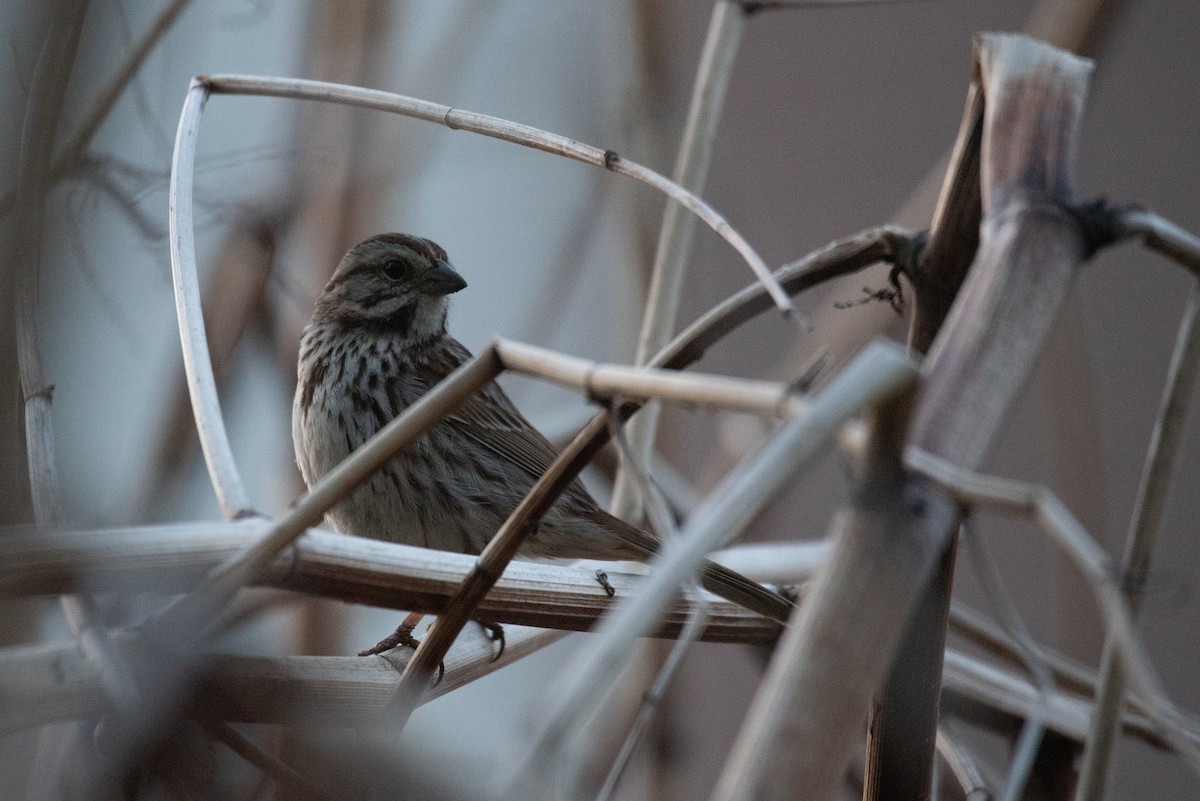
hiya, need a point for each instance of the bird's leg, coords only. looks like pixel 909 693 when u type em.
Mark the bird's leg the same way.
pixel 403 635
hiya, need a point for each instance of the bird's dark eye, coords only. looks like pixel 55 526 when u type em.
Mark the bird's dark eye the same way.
pixel 395 270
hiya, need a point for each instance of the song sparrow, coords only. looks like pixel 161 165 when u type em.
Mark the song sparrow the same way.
pixel 377 342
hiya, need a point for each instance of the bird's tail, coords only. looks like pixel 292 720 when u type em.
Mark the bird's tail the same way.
pixel 717 579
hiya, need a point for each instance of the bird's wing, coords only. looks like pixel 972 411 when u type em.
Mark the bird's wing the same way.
pixel 491 420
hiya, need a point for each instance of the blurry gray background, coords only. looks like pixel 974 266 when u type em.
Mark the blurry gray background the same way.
pixel 835 116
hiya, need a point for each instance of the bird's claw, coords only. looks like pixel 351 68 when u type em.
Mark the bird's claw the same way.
pixel 602 577
pixel 495 633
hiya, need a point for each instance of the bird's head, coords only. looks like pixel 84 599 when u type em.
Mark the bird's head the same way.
pixel 391 283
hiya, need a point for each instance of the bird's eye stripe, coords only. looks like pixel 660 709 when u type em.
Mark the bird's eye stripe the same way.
pixel 395 270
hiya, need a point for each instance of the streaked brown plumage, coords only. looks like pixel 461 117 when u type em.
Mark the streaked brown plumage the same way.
pixel 377 342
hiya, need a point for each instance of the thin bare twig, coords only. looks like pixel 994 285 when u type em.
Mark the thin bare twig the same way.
pixel 1033 728
pixel 675 236
pixel 998 699
pixel 287 777
pixel 963 766
pixel 505 130
pixel 664 527
pixel 1095 565
pixel 1145 524
pixel 842 257
pixel 973 626
pixel 1160 234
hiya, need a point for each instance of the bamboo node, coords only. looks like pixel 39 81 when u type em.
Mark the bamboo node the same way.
pixel 1098 223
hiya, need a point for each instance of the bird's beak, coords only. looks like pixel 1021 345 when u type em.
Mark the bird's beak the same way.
pixel 442 280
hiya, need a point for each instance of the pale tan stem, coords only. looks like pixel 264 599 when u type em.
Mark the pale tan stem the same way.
pixel 675 236
pixel 506 130
pixel 197 363
pixel 169 558
pixel 610 381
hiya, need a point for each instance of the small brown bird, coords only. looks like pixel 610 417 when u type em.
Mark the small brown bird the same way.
pixel 377 342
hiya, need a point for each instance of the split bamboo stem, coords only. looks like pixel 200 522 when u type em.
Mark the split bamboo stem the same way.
pixel 1029 246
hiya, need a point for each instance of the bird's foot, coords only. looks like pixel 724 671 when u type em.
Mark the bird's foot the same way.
pixel 403 635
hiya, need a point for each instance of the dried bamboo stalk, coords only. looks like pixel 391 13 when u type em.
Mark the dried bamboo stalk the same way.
pixel 1029 247
pixel 171 558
